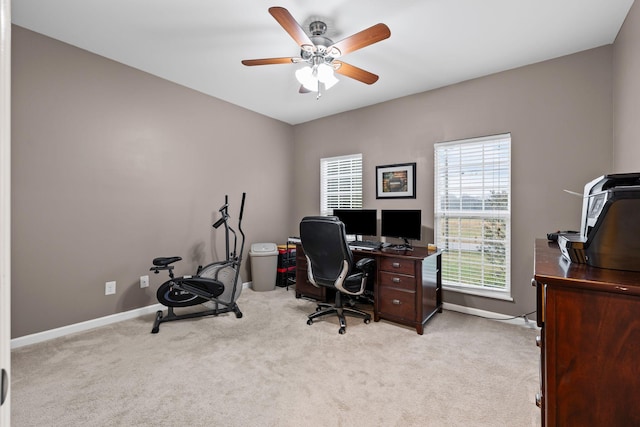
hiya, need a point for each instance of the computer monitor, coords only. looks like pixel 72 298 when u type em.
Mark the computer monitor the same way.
pixel 361 222
pixel 403 224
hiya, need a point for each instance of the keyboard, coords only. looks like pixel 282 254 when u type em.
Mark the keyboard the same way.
pixel 365 244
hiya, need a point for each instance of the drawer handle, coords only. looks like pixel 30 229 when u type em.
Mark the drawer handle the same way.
pixel 396 265
pixel 396 301
pixel 396 280
pixel 539 400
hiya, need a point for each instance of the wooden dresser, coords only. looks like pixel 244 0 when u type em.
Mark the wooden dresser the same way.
pixel 589 342
pixel 407 284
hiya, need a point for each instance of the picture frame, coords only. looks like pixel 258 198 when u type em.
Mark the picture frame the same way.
pixel 396 181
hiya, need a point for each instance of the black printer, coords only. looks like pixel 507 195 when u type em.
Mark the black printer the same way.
pixel 610 229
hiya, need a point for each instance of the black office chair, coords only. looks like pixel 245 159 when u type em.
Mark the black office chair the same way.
pixel 330 264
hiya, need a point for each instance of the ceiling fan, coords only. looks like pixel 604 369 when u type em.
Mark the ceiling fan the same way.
pixel 320 54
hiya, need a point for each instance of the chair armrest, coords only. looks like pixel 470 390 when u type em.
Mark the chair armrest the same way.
pixel 366 264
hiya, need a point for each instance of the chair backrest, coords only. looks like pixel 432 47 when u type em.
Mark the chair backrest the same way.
pixel 324 242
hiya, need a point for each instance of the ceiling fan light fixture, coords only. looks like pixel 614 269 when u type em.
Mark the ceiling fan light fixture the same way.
pixel 306 78
pixel 310 76
pixel 326 76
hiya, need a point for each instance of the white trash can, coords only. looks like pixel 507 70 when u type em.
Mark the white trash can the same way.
pixel 264 266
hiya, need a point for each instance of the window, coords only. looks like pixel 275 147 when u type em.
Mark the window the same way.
pixel 340 183
pixel 473 214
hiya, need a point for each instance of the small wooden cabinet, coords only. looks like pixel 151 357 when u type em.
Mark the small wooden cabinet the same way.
pixel 589 342
pixel 407 285
pixel 304 289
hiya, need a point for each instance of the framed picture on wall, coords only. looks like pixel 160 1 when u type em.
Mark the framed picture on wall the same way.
pixel 396 181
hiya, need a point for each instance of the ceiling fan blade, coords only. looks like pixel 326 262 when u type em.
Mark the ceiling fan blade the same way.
pixel 303 89
pixel 355 72
pixel 292 27
pixel 359 40
pixel 268 61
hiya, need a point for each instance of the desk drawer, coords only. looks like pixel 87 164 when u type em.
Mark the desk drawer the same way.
pixel 395 280
pixel 397 303
pixel 398 265
pixel 304 288
pixel 301 262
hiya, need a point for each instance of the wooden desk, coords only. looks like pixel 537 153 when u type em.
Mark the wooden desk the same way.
pixel 589 341
pixel 407 284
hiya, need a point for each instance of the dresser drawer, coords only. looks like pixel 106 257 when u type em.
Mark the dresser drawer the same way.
pixel 396 280
pixel 397 303
pixel 398 265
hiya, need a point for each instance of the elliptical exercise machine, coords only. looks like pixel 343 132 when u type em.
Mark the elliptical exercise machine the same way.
pixel 216 284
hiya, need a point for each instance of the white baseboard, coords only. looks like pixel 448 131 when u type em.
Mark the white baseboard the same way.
pixel 520 321
pixel 83 326
pixel 89 324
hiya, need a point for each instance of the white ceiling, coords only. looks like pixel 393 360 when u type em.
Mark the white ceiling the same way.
pixel 433 43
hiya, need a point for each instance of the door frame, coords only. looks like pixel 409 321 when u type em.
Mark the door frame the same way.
pixel 5 201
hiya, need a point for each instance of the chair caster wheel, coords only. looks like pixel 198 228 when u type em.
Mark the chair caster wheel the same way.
pixel 342 331
pixel 367 321
pixel 309 322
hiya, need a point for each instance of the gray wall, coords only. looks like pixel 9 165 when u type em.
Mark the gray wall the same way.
pixel 626 66
pixel 559 116
pixel 113 167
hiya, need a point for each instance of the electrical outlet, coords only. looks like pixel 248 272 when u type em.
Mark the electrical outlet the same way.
pixel 144 281
pixel 110 288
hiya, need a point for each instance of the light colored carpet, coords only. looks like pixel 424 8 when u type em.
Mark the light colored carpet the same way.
pixel 270 368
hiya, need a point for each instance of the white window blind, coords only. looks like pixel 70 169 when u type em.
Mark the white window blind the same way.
pixel 473 214
pixel 340 183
